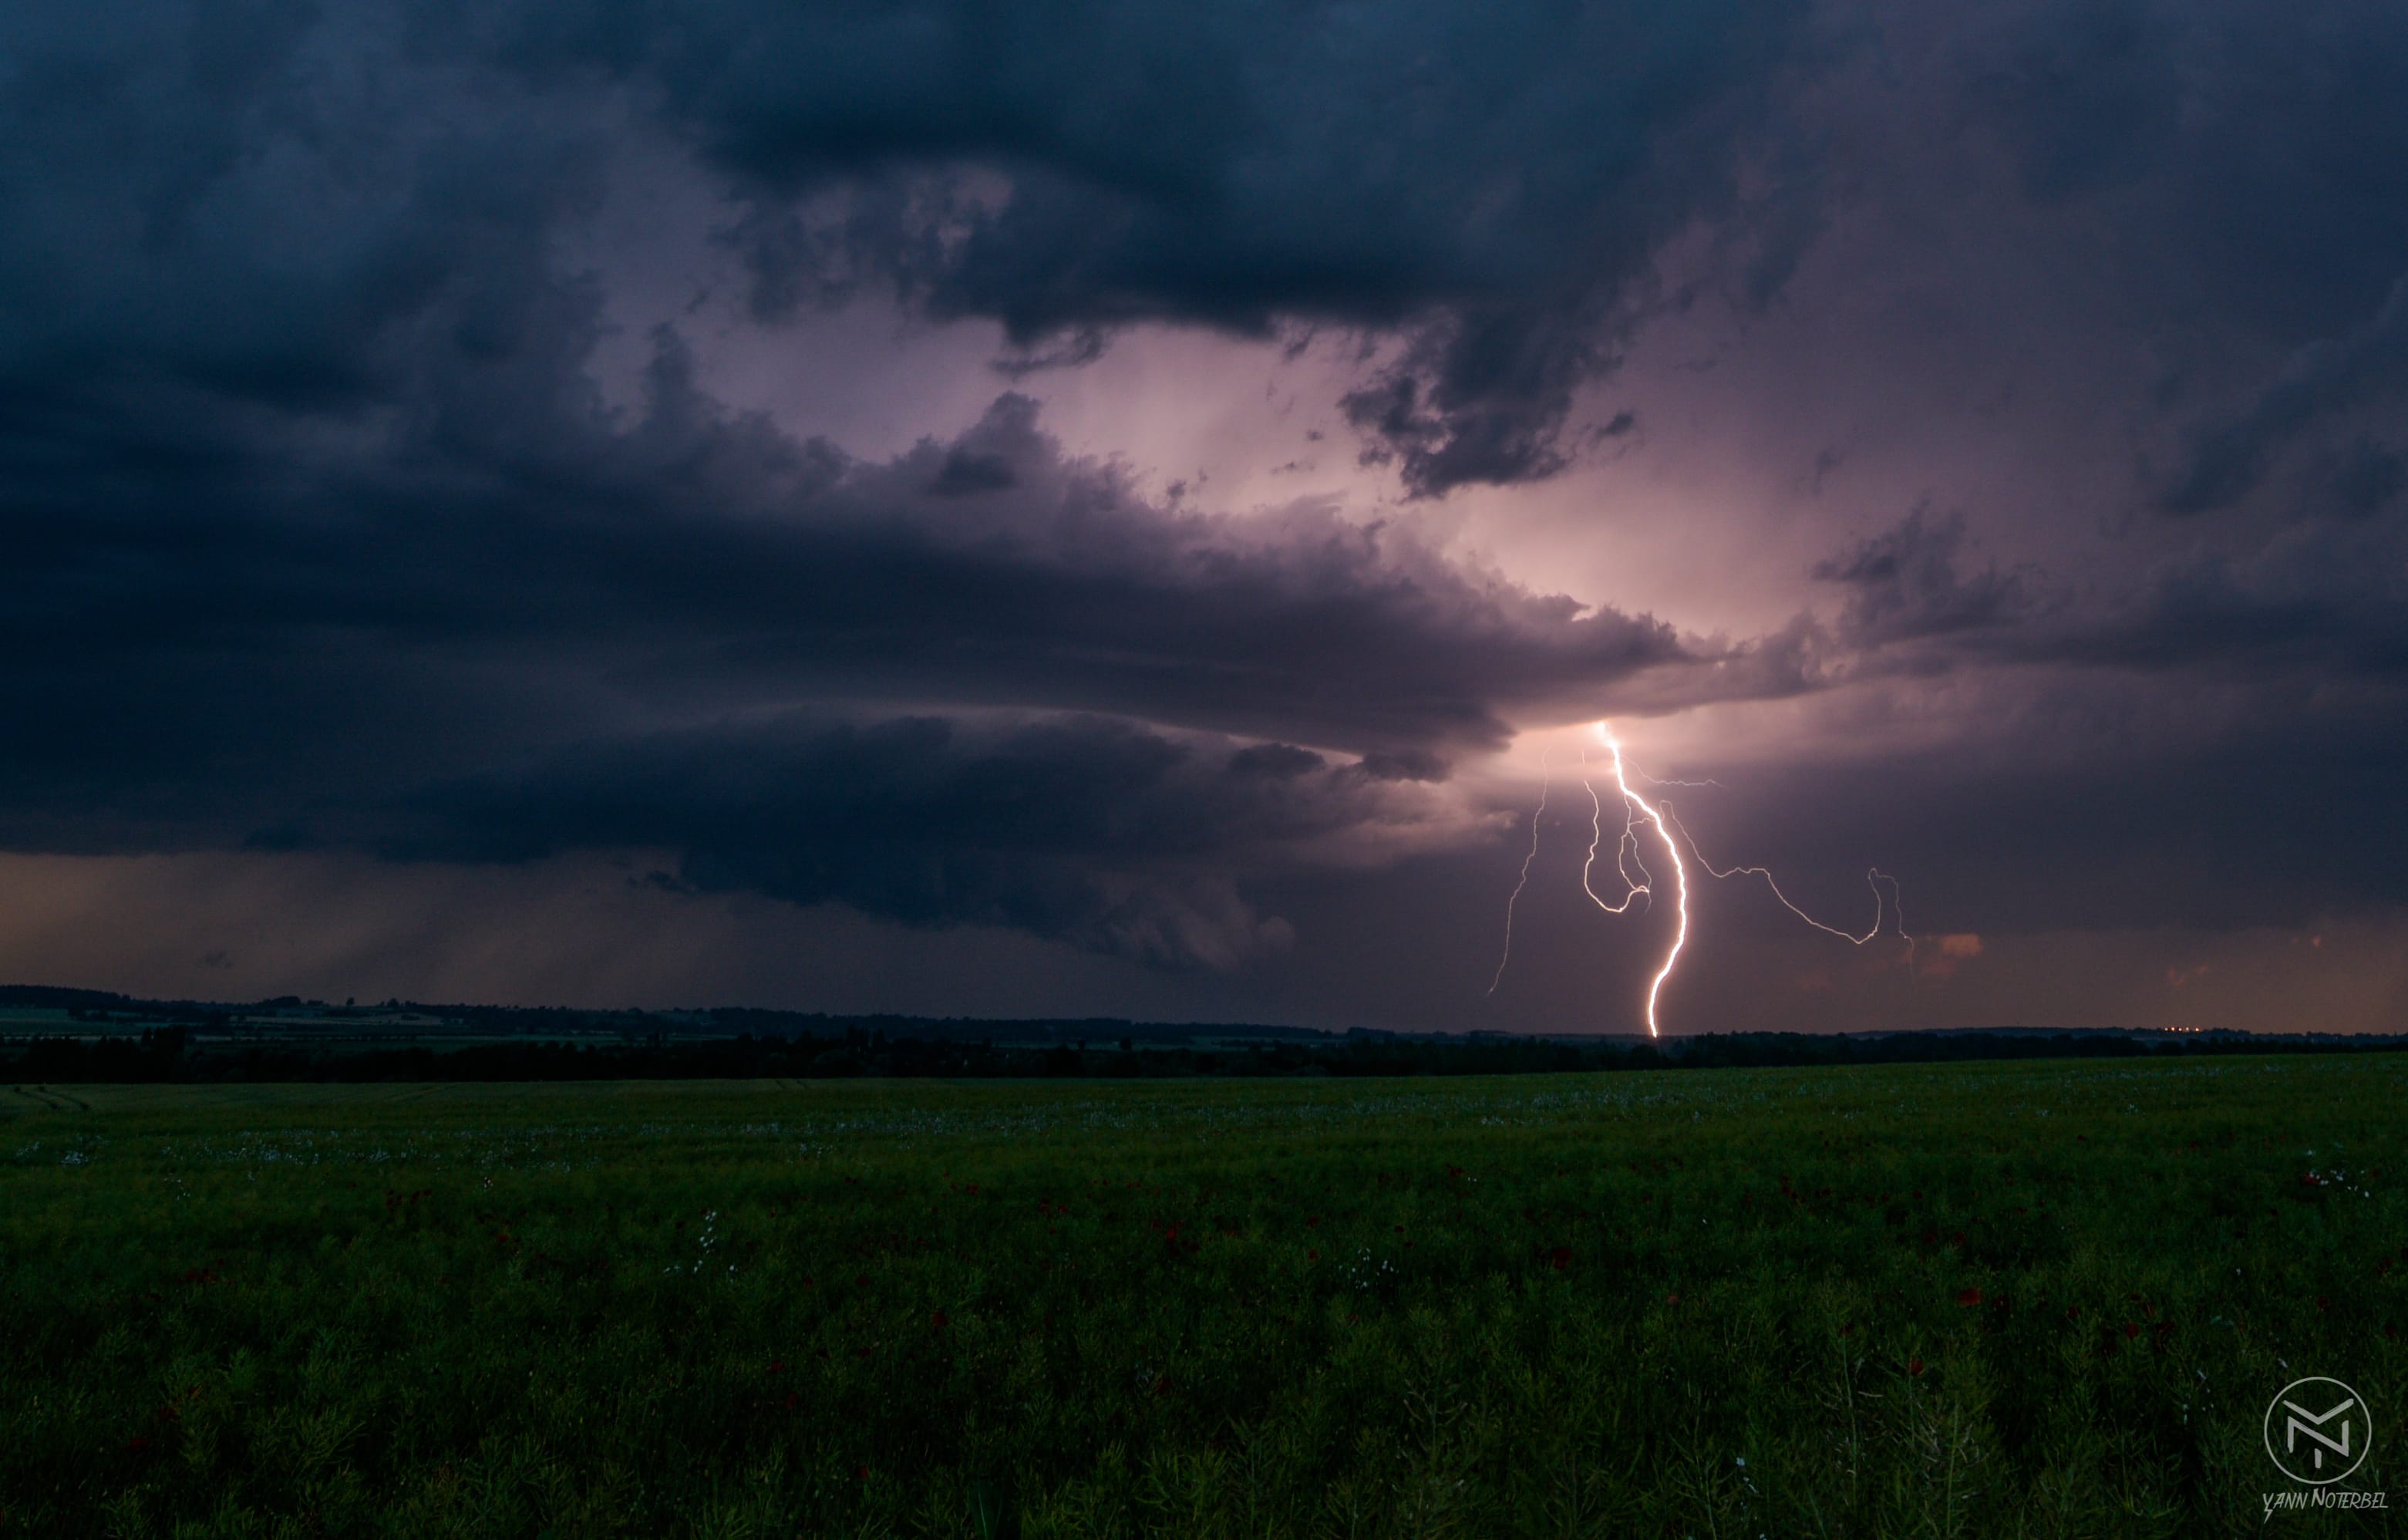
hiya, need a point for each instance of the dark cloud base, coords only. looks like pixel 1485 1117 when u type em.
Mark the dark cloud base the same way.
pixel 326 536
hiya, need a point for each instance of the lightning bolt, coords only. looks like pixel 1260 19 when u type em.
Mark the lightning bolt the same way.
pixel 1659 780
pixel 1873 879
pixel 1624 850
pixel 1680 872
pixel 1637 809
pixel 1524 879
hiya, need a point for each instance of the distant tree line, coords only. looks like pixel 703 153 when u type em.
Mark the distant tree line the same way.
pixel 170 1053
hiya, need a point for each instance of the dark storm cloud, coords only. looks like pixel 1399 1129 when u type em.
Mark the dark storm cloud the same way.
pixel 1492 193
pixel 2333 599
pixel 1092 829
pixel 2068 816
pixel 2211 744
pixel 1904 584
pixel 2222 152
pixel 322 536
pixel 321 533
pixel 2226 142
pixel 2322 380
pixel 1480 397
pixel 287 657
pixel 2368 480
pixel 2328 606
pixel 1492 184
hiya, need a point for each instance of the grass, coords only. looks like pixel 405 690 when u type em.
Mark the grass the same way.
pixel 2045 1299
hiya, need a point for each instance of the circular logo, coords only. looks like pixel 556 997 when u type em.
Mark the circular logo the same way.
pixel 2317 1431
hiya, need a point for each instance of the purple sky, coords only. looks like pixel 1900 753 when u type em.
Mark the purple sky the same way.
pixel 1098 509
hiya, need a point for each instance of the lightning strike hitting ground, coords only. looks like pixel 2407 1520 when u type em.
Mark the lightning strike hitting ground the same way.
pixel 1680 874
pixel 1626 852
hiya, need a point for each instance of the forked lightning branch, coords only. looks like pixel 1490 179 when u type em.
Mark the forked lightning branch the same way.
pixel 1659 817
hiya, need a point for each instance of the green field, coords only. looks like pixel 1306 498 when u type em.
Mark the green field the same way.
pixel 2002 1299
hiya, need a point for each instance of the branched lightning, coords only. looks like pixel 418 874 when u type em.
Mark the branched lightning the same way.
pixel 1636 809
pixel 1524 879
pixel 1624 850
pixel 1873 879
pixel 1659 780
pixel 1680 874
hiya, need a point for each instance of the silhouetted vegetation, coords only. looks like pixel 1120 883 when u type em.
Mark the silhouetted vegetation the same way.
pixel 289 1039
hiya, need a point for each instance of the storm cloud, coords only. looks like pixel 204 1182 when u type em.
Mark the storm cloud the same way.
pixel 1981 427
pixel 634 609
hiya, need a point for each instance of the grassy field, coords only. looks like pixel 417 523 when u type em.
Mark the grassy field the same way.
pixel 2003 1299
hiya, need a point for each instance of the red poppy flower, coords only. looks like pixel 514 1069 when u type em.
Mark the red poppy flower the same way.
pixel 1671 1299
pixel 1968 1296
pixel 1560 1258
pixel 1312 1256
pixel 777 1366
pixel 137 1445
pixel 793 1400
pixel 1914 1366
pixel 938 1320
pixel 2131 1328
pixel 861 1473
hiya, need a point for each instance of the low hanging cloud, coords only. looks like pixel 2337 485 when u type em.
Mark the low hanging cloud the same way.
pixel 2233 456
pixel 1905 584
pixel 516 624
pixel 1091 829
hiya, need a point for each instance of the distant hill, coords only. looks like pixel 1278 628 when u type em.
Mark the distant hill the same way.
pixel 50 1034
